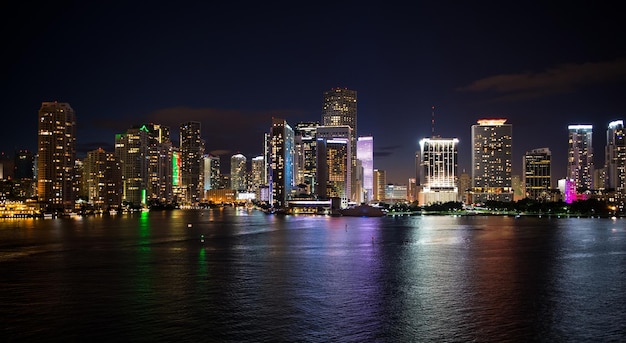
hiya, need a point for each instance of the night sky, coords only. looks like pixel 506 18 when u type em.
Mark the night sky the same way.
pixel 233 65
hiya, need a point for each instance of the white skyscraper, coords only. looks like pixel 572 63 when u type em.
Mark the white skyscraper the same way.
pixel 438 170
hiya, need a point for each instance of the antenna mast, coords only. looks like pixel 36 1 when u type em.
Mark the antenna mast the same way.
pixel 433 122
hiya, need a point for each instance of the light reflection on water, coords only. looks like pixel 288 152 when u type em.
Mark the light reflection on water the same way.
pixel 260 277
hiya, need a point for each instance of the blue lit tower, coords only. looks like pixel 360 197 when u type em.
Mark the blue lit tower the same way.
pixel 281 162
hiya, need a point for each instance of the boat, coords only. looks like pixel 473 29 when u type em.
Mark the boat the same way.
pixel 362 210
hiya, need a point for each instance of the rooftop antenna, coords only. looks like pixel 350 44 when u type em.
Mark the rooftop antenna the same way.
pixel 433 122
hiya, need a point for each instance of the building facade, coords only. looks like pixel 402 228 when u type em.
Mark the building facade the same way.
pixel 492 160
pixel 580 157
pixel 438 170
pixel 340 109
pixel 191 152
pixel 365 154
pixel 56 149
pixel 615 158
pixel 537 174
pixel 238 172
pixel 281 163
pixel 305 154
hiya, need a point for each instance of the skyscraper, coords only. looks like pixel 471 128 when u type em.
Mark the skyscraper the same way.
pixel 131 149
pixel 258 172
pixel 537 174
pixel 379 182
pixel 491 160
pixel 305 157
pixel 102 179
pixel 339 109
pixel 281 162
pixel 365 153
pixel 333 168
pixel 191 152
pixel 337 134
pixel 238 173
pixel 580 156
pixel 616 159
pixel 56 149
pixel 438 170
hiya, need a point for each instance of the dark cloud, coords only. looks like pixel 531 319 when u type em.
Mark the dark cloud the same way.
pixel 386 151
pixel 565 78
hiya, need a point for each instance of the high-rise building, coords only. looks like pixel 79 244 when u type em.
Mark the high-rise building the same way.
pixel 491 160
pixel 616 159
pixel 340 109
pixel 257 168
pixel 336 134
pixel 131 149
pixel 333 168
pixel 537 174
pixel 379 182
pixel 211 172
pixel 238 172
pixel 365 153
pixel 191 152
pixel 465 186
pixel 56 149
pixel 102 179
pixel 438 170
pixel 24 165
pixel 580 157
pixel 159 187
pixel 305 154
pixel 281 163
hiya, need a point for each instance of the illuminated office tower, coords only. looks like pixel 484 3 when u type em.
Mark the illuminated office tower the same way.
pixel 340 109
pixel 365 154
pixel 131 149
pixel 159 186
pixel 238 172
pixel 379 181
pixel 438 170
pixel 537 174
pixel 191 152
pixel 211 172
pixel 616 159
pixel 580 156
pixel 337 133
pixel 257 168
pixel 56 149
pixel 281 163
pixel 305 154
pixel 491 161
pixel 102 179
pixel 333 168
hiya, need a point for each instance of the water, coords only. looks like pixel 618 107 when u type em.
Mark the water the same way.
pixel 265 278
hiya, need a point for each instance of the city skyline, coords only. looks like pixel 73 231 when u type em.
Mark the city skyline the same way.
pixel 227 64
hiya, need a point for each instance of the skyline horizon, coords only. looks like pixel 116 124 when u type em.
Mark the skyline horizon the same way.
pixel 83 148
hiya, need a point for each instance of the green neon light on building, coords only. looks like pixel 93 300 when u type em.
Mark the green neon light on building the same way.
pixel 143 196
pixel 175 169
